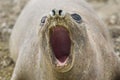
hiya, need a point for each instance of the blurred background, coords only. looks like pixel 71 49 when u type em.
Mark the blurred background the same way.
pixel 107 10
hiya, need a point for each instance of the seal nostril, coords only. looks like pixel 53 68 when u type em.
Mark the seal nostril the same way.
pixel 53 12
pixel 60 12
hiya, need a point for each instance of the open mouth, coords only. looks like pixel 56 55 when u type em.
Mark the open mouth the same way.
pixel 60 44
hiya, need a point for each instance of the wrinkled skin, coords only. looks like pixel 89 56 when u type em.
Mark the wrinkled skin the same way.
pixel 93 57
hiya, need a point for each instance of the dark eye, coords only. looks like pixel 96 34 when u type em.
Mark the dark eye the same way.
pixel 43 19
pixel 76 17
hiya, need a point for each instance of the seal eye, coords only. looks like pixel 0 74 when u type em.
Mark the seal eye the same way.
pixel 43 19
pixel 76 17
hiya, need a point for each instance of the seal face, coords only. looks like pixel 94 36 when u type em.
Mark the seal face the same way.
pixel 59 38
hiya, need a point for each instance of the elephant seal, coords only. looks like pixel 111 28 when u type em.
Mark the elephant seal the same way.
pixel 62 40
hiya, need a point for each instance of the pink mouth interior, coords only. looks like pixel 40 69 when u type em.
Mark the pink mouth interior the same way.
pixel 60 43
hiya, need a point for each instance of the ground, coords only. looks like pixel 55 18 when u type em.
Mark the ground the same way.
pixel 108 11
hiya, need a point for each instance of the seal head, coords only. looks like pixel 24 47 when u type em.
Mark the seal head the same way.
pixel 58 38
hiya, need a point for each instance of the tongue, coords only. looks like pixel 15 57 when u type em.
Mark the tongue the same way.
pixel 60 43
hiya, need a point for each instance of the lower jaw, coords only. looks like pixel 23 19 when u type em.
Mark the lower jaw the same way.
pixel 63 66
